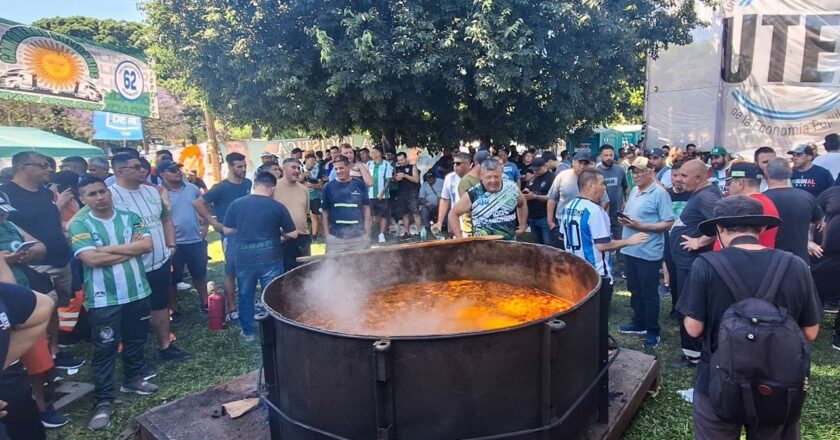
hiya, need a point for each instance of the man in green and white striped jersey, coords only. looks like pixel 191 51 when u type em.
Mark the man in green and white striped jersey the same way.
pixel 110 244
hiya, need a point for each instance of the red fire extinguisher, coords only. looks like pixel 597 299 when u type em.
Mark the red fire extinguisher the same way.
pixel 215 308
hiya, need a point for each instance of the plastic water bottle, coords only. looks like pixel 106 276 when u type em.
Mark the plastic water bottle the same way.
pixel 423 234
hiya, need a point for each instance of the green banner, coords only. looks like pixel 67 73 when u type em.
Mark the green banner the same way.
pixel 47 68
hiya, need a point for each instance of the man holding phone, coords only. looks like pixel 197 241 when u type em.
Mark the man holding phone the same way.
pixel 648 210
pixel 535 193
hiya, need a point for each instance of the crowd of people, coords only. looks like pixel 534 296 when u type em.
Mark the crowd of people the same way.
pixel 114 239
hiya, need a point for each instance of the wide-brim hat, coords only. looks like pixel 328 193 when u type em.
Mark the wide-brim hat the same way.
pixel 738 211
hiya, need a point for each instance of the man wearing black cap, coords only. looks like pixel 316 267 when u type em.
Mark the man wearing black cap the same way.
pixel 297 153
pixel 657 157
pixel 737 222
pixel 745 180
pixel 551 160
pixel 831 159
pixel 565 187
pixel 267 157
pixel 806 175
pixel 535 193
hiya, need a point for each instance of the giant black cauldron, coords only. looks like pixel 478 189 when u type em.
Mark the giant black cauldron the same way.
pixel 544 379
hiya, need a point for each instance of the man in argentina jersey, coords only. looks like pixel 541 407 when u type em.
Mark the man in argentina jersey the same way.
pixel 585 227
pixel 131 193
pixel 495 205
pixel 110 242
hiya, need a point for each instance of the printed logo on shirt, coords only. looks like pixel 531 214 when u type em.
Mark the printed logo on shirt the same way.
pixel 803 183
pixel 5 324
pixel 80 237
pixel 611 181
pixel 355 193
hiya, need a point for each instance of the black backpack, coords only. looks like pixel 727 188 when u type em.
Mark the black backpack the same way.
pixel 759 372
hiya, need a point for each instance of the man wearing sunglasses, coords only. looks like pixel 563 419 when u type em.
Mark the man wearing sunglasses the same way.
pixel 37 213
pixel 806 175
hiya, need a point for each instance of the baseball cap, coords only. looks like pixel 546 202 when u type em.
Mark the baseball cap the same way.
pixel 583 156
pixel 548 156
pixel 5 207
pixel 802 149
pixel 745 170
pixel 296 150
pixel 718 151
pixel 640 162
pixel 167 165
pixel 481 156
pixel 267 154
pixel 537 163
pixel 738 211
pixel 654 152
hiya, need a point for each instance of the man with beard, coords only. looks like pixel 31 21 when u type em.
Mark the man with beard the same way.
pixel 220 197
pixel 762 156
pixel 450 195
pixel 679 198
pixel 691 151
pixel 536 194
pixel 687 242
pixel 719 171
pixel 657 158
pixel 496 206
pixel 806 175
pixel 295 197
pixel 616 180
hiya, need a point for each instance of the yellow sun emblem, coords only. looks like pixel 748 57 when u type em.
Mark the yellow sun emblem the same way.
pixel 54 65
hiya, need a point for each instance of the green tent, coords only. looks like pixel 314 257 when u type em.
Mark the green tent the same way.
pixel 13 140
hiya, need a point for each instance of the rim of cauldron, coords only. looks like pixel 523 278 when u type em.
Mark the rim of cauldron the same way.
pixel 272 313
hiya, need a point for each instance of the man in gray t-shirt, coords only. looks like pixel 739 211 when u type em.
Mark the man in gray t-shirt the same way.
pixel 615 178
pixel 565 187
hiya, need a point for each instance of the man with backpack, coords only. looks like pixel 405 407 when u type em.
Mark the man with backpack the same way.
pixel 753 309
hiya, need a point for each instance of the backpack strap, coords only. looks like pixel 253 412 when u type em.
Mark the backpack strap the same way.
pixel 778 268
pixel 721 266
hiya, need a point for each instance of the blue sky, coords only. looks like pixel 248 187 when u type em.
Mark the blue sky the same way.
pixel 28 11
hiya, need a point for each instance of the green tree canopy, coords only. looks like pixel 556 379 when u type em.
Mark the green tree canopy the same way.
pixel 125 34
pixel 429 73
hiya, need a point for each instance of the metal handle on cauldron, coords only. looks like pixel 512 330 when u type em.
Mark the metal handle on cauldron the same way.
pixel 548 355
pixel 383 391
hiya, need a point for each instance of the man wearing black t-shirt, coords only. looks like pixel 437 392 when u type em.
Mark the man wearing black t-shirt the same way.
pixel 535 193
pixel 679 198
pixel 737 222
pixel 687 242
pixel 37 214
pixel 807 176
pixel 797 209
pixel 407 204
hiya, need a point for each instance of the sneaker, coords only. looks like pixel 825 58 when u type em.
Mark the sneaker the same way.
pixel 173 353
pixel 652 341
pixel 631 329
pixel 247 337
pixel 381 238
pixel 684 362
pixel 233 316
pixel 831 308
pixel 413 230
pixel 139 386
pixel 664 291
pixel 147 372
pixel 259 309
pixel 101 418
pixel 67 362
pixel 183 286
pixel 51 418
pixel 835 343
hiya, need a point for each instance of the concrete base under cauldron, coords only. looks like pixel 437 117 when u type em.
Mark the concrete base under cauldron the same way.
pixel 632 376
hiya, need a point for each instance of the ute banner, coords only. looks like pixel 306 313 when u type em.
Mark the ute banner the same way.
pixel 780 72
pixel 47 68
pixel 763 73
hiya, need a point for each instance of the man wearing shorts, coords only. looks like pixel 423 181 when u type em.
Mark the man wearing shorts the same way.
pixel 407 178
pixel 313 180
pixel 220 197
pixel 190 245
pixel 130 194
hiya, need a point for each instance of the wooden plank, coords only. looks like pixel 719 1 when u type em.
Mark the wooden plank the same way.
pixel 632 375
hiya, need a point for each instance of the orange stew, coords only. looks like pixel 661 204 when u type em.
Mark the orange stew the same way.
pixel 441 307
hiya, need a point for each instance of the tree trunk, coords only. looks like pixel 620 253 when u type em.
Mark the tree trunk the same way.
pixel 213 145
pixel 389 139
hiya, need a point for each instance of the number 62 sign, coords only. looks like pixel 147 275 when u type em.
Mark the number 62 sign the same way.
pixel 129 80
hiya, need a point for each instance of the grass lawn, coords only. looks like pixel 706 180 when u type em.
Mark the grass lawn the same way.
pixel 219 357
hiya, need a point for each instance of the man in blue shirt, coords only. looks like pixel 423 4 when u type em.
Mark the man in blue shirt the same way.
pixel 509 169
pixel 648 210
pixel 257 222
pixel 346 211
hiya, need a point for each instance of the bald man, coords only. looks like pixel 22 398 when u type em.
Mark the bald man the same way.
pixel 687 242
